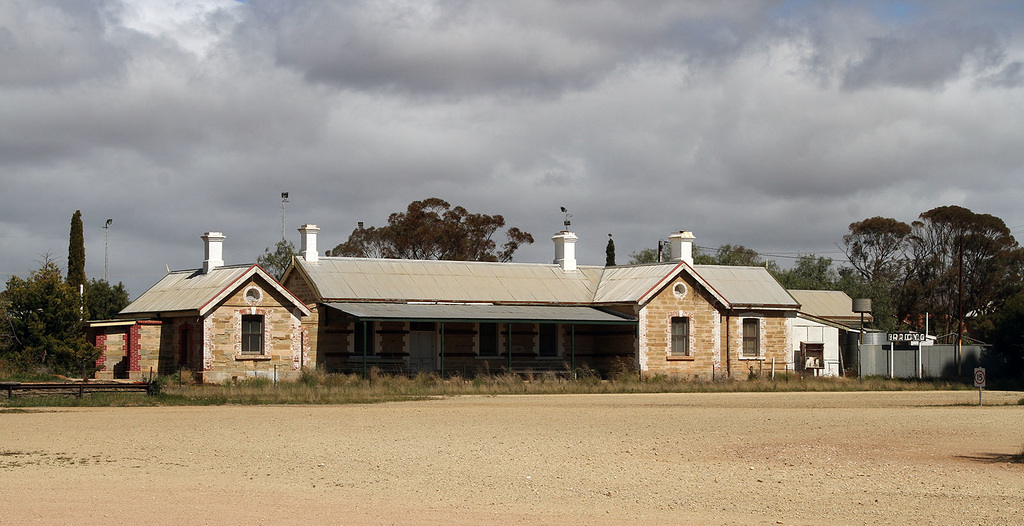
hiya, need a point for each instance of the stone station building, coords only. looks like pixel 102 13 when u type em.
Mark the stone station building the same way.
pixel 672 318
pixel 217 322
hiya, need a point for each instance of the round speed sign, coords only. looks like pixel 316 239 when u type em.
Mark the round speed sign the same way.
pixel 979 377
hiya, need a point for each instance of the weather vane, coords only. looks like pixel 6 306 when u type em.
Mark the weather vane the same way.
pixel 567 216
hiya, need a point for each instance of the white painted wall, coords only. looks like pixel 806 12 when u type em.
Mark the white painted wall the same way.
pixel 803 330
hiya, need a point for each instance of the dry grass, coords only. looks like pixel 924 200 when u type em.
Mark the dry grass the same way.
pixel 319 388
pixel 316 387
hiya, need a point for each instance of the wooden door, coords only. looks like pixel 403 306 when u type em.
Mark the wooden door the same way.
pixel 421 350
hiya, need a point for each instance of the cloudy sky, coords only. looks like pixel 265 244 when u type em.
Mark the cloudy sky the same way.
pixel 772 124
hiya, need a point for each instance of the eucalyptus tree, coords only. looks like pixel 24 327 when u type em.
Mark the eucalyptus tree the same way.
pixel 434 229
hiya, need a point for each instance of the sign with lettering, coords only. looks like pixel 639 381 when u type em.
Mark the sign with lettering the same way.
pixel 897 337
pixel 979 377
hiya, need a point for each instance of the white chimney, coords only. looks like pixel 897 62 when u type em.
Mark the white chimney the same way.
pixel 308 249
pixel 565 250
pixel 214 256
pixel 682 246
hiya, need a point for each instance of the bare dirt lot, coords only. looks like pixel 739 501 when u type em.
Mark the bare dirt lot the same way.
pixel 737 458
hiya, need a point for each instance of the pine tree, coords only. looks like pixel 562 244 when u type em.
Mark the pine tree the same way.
pixel 609 253
pixel 76 252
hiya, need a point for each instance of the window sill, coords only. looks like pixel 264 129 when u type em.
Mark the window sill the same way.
pixel 752 358
pixel 680 358
pixel 252 357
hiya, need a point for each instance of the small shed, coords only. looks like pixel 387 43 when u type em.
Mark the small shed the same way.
pixel 820 332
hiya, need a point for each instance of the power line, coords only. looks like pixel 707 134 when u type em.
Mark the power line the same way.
pixel 783 255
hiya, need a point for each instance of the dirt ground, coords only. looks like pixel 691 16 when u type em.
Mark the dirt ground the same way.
pixel 736 458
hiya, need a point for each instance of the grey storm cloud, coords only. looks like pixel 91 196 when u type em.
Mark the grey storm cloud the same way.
pixel 771 124
pixel 50 43
pixel 926 61
pixel 533 47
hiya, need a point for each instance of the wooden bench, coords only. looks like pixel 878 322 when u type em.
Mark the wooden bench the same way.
pixel 75 388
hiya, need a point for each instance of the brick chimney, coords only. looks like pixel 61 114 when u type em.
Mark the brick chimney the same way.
pixel 214 251
pixel 308 248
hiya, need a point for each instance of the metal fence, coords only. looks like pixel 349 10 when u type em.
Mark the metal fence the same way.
pixel 926 361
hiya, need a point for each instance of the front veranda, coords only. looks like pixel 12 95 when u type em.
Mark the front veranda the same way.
pixel 470 340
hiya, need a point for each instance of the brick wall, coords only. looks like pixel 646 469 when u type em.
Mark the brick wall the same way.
pixel 681 298
pixel 101 343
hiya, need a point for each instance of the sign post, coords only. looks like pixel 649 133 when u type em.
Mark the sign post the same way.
pixel 979 381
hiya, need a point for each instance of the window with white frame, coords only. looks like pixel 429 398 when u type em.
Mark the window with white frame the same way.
pixel 751 337
pixel 252 334
pixel 680 336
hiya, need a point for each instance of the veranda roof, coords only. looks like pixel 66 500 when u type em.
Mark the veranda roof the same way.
pixel 474 312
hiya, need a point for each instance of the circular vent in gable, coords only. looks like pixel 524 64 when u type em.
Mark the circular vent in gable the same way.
pixel 253 295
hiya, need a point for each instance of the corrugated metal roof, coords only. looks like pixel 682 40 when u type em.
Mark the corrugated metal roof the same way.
pixel 746 286
pixel 828 304
pixel 362 279
pixel 480 312
pixel 185 290
pixel 451 281
pixel 191 290
pixel 629 284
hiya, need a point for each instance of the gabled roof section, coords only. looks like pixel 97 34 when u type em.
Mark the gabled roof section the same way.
pixel 832 305
pixel 191 290
pixel 640 283
pixel 747 287
pixel 366 279
pixel 630 283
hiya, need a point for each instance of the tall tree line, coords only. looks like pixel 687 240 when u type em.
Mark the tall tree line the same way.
pixel 950 264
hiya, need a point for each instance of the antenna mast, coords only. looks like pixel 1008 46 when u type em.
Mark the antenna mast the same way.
pixel 106 247
pixel 284 199
pixel 568 216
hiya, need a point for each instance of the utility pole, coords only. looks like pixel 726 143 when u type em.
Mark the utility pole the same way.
pixel 106 247
pixel 284 199
pixel 960 301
